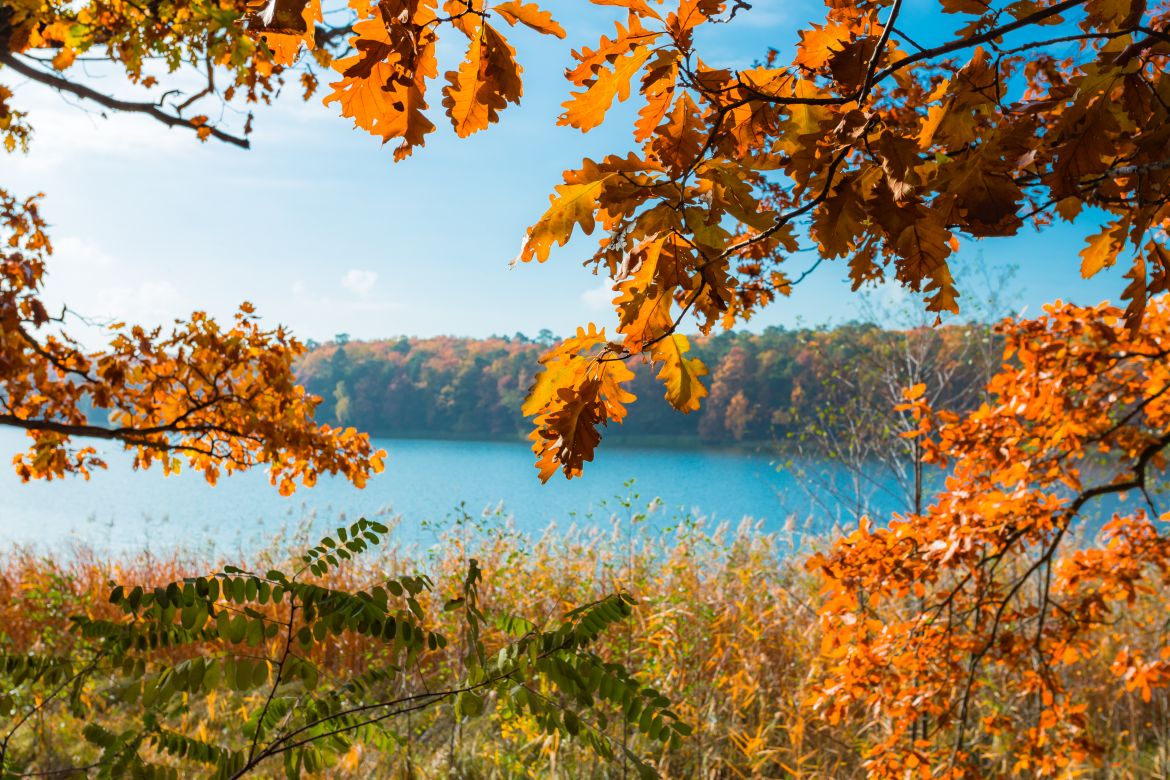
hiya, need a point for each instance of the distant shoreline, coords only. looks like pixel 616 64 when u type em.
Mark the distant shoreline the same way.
pixel 625 441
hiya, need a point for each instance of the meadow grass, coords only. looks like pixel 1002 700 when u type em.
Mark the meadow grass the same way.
pixel 726 626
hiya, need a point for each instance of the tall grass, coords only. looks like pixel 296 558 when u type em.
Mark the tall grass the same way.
pixel 726 627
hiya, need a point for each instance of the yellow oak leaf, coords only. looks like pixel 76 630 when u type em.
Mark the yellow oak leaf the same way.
pixel 572 205
pixel 1101 249
pixel 930 124
pixel 680 374
pixel 642 303
pixel 561 368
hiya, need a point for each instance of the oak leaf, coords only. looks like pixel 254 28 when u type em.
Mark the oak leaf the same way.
pixel 375 90
pixel 923 247
pixel 680 374
pixel 529 14
pixel 486 81
pixel 572 205
pixel 658 87
pixel 850 64
pixel 839 221
pixel 586 110
pixel 1101 248
pixel 64 58
pixel 819 44
pixel 569 434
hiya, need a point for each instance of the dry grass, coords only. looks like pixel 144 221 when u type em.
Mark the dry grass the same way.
pixel 726 627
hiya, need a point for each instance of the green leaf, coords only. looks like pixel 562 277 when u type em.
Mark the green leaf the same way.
pixel 255 632
pixel 468 704
pixel 237 629
pixel 211 677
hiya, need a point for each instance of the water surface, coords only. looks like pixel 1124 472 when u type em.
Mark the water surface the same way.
pixel 425 481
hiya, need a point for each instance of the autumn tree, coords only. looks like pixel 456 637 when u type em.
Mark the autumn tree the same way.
pixel 879 150
pixel 217 397
pixel 873 148
pixel 987 581
pixel 220 398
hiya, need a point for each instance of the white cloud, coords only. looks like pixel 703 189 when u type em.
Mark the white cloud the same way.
pixel 101 289
pixel 64 134
pixel 77 274
pixel 149 301
pixel 359 282
pixel 73 255
pixel 599 298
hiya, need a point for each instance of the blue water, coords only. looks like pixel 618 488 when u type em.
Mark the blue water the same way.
pixel 425 482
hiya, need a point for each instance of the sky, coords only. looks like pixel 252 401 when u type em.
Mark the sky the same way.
pixel 319 229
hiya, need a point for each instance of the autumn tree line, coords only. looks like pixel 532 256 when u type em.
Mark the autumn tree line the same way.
pixel 768 387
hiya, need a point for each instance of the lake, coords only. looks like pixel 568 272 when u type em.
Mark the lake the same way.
pixel 425 482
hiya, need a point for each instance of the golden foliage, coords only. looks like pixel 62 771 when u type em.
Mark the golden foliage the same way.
pixel 893 154
pixel 217 398
pixel 924 617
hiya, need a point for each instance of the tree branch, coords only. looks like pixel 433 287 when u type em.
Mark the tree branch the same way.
pixel 61 84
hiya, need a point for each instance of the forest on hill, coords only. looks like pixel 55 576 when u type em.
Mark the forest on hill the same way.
pixel 761 384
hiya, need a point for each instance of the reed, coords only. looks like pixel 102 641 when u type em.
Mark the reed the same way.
pixel 726 626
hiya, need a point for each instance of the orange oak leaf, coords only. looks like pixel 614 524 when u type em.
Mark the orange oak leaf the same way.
pixel 658 87
pixel 586 110
pixel 1101 248
pixel 487 80
pixel 819 44
pixel 579 388
pixel 572 206
pixel 383 85
pixel 531 15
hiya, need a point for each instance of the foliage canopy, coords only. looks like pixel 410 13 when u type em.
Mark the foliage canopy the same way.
pixel 917 613
pixel 877 149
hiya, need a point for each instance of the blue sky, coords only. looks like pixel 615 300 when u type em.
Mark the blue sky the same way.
pixel 319 228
